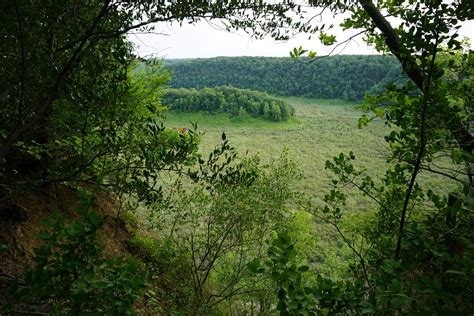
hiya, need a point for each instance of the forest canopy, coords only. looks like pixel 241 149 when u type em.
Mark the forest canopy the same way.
pixel 226 99
pixel 347 77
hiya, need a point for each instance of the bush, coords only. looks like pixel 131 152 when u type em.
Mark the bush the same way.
pixel 71 272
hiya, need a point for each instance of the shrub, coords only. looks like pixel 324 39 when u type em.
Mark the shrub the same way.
pixel 71 272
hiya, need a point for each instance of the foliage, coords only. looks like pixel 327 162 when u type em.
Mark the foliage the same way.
pixel 343 77
pixel 67 105
pixel 72 111
pixel 437 247
pixel 296 294
pixel 294 298
pixel 237 102
pixel 220 221
pixel 430 119
pixel 70 271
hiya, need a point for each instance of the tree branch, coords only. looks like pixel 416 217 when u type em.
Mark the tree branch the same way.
pixel 393 42
pixel 411 68
pixel 421 151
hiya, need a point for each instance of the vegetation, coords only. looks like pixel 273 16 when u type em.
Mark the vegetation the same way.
pixel 407 255
pixel 336 77
pixel 319 129
pixel 74 113
pixel 237 102
pixel 221 224
pixel 71 273
pixel 232 232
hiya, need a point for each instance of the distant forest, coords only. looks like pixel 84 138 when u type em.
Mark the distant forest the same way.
pixel 346 77
pixel 238 102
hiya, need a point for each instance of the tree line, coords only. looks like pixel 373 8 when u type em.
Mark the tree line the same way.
pixel 345 77
pixel 238 102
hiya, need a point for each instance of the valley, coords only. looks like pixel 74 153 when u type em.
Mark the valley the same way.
pixel 320 130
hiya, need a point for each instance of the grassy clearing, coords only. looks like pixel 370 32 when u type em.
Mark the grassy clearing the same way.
pixel 320 130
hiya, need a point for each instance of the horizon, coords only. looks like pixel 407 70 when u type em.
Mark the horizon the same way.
pixel 208 40
pixel 287 57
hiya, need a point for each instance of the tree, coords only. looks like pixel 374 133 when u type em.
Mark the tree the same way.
pixel 288 77
pixel 51 52
pixel 266 110
pixel 414 243
pixel 275 111
pixel 416 44
pixel 222 220
pixel 242 112
pixel 226 99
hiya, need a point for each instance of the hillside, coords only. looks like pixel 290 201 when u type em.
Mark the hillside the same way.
pixel 345 77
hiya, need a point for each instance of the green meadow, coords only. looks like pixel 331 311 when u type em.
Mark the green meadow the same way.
pixel 320 130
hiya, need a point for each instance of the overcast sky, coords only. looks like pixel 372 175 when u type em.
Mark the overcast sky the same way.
pixel 207 40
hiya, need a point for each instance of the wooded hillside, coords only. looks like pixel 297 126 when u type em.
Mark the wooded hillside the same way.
pixel 345 77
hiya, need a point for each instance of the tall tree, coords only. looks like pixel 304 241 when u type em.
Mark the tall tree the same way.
pixel 415 253
pixel 48 48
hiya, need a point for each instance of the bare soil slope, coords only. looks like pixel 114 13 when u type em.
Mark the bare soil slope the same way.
pixel 22 217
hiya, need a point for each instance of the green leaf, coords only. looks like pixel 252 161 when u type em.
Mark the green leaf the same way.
pixel 3 248
pixel 297 52
pixel 312 54
pixel 254 266
pixel 327 39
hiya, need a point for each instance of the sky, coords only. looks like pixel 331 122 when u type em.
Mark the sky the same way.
pixel 203 40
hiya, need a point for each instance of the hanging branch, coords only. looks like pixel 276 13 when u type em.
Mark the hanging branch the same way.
pixel 413 70
pixel 421 150
pixel 393 42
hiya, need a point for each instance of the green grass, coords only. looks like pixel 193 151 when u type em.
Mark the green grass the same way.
pixel 320 130
pixel 216 121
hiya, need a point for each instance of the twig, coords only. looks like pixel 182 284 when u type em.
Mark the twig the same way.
pixel 361 258
pixel 346 42
pixel 421 151
pixel 442 173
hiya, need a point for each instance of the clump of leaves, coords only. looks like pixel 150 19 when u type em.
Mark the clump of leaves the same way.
pixel 294 298
pixel 71 272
